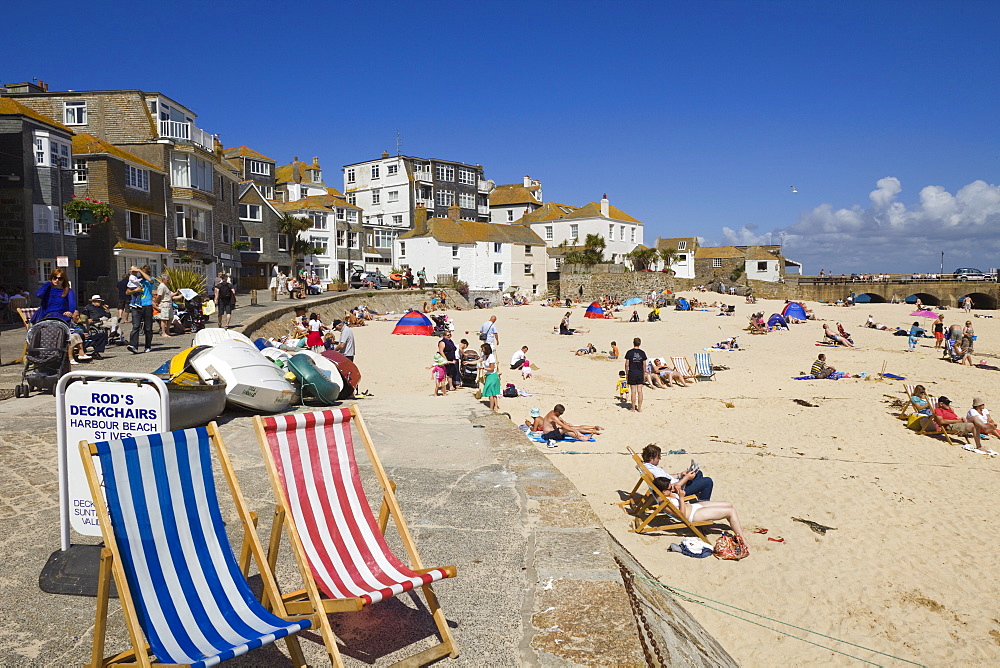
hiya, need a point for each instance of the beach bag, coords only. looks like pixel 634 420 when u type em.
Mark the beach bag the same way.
pixel 731 546
pixel 208 308
pixel 510 391
pixel 478 394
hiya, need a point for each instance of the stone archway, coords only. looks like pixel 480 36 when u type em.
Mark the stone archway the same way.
pixel 980 300
pixel 925 298
pixel 869 298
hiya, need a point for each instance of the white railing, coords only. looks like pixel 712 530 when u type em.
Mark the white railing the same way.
pixel 423 175
pixel 483 210
pixel 483 186
pixel 187 132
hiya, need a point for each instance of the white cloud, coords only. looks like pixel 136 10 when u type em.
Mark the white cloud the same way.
pixel 889 236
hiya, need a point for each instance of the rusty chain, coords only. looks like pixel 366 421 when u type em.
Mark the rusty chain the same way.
pixel 640 619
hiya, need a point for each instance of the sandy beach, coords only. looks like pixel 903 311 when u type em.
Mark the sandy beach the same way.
pixel 908 569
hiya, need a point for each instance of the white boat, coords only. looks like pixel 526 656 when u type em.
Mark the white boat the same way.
pixel 252 380
pixel 277 355
pixel 213 335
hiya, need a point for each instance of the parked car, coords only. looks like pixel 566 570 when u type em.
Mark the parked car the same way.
pixel 971 274
pixel 362 279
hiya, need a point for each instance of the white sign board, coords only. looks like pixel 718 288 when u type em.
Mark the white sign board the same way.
pixel 62 261
pixel 92 410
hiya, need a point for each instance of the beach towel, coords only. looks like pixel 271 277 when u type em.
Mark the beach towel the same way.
pixel 536 436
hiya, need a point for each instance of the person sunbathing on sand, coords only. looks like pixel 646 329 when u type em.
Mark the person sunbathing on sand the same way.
pixel 834 336
pixel 694 512
pixel 586 351
pixel 555 428
pixel 669 376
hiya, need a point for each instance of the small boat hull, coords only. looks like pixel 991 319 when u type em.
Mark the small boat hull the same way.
pixel 314 382
pixel 195 405
pixel 211 336
pixel 252 381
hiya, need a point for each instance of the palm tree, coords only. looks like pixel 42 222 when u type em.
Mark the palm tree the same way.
pixel 592 253
pixel 669 256
pixel 292 226
pixel 642 258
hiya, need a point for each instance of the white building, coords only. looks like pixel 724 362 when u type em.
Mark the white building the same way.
pixel 389 190
pixel 560 223
pixel 510 201
pixel 335 234
pixel 487 256
pixel 684 247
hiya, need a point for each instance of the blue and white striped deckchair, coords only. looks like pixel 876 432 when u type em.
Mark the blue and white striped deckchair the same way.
pixel 703 366
pixel 178 581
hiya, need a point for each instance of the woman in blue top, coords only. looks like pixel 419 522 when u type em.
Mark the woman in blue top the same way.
pixel 57 299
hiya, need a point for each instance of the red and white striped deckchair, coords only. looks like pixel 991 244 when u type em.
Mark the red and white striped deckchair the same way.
pixel 342 554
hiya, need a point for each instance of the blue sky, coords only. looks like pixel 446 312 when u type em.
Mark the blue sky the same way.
pixel 695 117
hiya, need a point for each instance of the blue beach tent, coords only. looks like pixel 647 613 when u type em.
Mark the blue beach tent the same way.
pixel 777 320
pixel 682 305
pixel 794 310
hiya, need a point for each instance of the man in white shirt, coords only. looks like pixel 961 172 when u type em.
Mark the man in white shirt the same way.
pixel 979 416
pixel 488 333
pixel 691 481
pixel 517 360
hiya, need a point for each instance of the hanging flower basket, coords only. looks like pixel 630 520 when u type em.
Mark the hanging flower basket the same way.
pixel 88 210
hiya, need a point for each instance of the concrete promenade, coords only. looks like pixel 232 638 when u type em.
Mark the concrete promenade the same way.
pixel 537 579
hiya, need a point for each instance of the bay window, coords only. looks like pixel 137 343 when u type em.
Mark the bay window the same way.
pixel 187 171
pixel 191 222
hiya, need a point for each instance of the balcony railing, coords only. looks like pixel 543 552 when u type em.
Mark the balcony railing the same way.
pixel 483 210
pixel 483 186
pixel 423 175
pixel 187 132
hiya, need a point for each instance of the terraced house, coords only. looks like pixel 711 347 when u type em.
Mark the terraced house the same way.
pixel 390 188
pixel 201 205
pixel 33 148
pixel 510 201
pixel 489 257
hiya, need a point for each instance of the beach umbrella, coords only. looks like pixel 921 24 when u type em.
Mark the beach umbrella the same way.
pixel 924 314
pixel 415 323
pixel 594 311
pixel 632 302
pixel 666 292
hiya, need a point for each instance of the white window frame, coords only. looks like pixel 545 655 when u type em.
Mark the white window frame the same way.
pixel 548 233
pixel 402 249
pixel 45 267
pixel 467 177
pixel 350 175
pixel 352 216
pixel 341 238
pixel 353 239
pixel 497 268
pixel 75 112
pixel 45 218
pixel 467 200
pixel 391 170
pixel 191 222
pixel 267 192
pixel 341 214
pixel 256 244
pixel 247 212
pixel 376 197
pixel 397 220
pixel 574 231
pixel 188 171
pixel 682 245
pixel 716 262
pixel 137 178
pixel 527 270
pixel 444 197
pixel 282 242
pixel 376 172
pixel 392 196
pixel 510 215
pixel 321 243
pixel 352 199
pixel 454 251
pixel 318 219
pixel 79 170
pixel 226 233
pixel 762 265
pixel 497 247
pixel 621 233
pixel 444 173
pixel 258 167
pixel 384 238
pixel 317 175
pixel 632 235
pixel 143 222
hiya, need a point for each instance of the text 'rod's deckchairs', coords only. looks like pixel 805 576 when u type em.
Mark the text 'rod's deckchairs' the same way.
pixel 654 504
pixel 341 551
pixel 703 366
pixel 179 584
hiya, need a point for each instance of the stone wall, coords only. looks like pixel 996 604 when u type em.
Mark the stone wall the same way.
pixel 621 285
pixel 277 323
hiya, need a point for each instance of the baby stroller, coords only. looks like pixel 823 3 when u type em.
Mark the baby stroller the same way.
pixel 440 324
pixel 192 318
pixel 470 367
pixel 46 359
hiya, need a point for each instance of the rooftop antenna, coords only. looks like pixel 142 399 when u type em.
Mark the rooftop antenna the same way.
pixel 399 142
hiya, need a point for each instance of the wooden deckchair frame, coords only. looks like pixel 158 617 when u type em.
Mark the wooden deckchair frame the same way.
pixel 908 391
pixel 923 431
pixel 308 601
pixel 686 371
pixel 653 504
pixel 111 566
pixel 711 372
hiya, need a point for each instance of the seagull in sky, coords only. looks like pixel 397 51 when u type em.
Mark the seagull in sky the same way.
pixel 793 189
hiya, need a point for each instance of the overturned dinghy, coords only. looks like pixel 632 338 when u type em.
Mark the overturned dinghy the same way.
pixel 252 381
pixel 193 401
pixel 213 335
pixel 322 385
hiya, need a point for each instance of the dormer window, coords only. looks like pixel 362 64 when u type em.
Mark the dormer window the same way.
pixel 75 112
pixel 317 175
pixel 258 167
pixel 682 245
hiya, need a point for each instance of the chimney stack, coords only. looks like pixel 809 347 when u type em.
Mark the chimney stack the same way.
pixel 420 220
pixel 454 212
pixel 605 206
pixel 385 154
pixel 527 180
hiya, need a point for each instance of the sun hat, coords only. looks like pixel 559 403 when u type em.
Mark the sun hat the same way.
pixel 977 401
pixel 96 297
pixel 535 412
